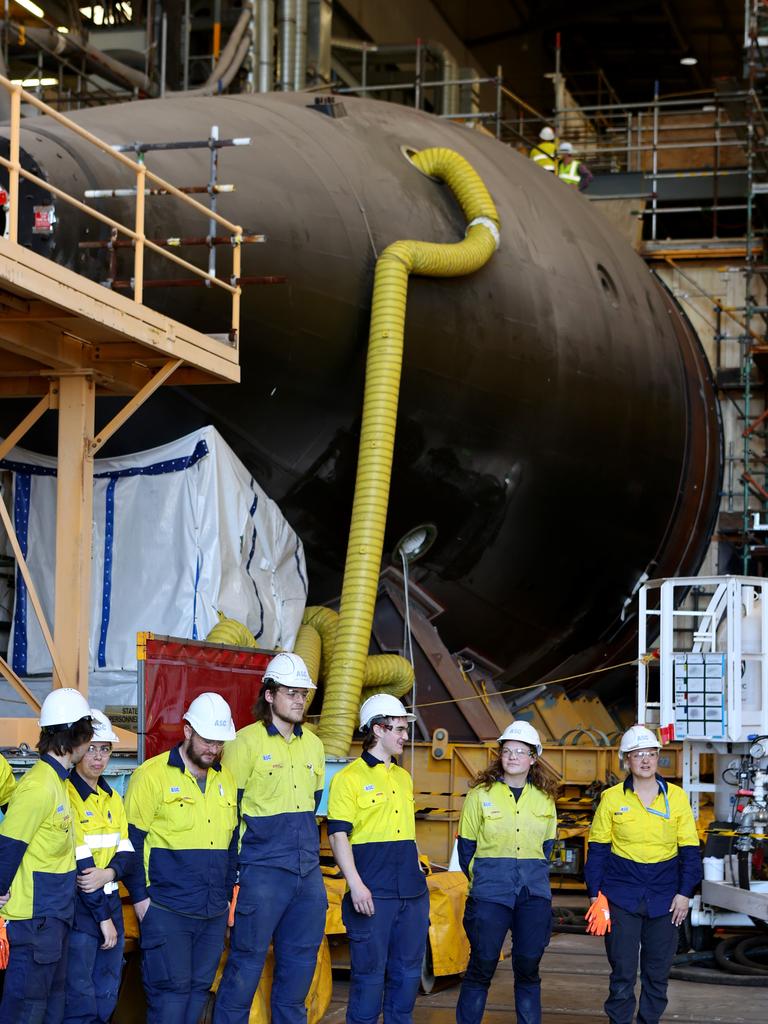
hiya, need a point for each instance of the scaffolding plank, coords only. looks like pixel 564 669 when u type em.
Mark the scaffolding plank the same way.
pixel 99 314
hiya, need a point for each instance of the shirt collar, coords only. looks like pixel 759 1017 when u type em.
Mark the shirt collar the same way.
pixel 629 783
pixel 60 770
pixel 82 788
pixel 175 760
pixel 272 730
pixel 371 760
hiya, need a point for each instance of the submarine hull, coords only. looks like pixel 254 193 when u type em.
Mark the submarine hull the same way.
pixel 557 420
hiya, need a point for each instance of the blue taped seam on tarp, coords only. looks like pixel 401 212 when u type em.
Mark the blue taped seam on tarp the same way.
pixel 252 513
pixel 106 585
pixel 156 469
pixel 21 495
pixel 24 471
pixel 194 598
pixel 298 567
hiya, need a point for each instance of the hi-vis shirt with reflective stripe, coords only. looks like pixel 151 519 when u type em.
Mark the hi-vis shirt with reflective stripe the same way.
pixel 544 154
pixel 569 172
pixel 186 839
pixel 641 853
pixel 101 841
pixel 373 803
pixel 37 848
pixel 513 841
pixel 7 782
pixel 280 783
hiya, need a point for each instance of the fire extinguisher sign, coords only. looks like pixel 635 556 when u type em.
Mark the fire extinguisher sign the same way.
pixel 45 217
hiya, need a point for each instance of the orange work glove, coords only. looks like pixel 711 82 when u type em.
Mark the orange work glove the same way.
pixel 598 916
pixel 232 905
pixel 5 946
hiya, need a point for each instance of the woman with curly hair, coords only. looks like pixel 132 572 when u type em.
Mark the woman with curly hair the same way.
pixel 506 834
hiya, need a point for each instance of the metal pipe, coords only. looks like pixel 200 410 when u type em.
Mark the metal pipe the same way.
pixel 286 44
pixel 163 52
pixel 266 36
pixel 300 50
pixel 655 155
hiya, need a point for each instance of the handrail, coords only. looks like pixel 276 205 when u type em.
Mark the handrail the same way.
pixel 137 233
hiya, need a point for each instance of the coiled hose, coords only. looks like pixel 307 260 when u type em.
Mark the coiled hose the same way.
pixel 346 677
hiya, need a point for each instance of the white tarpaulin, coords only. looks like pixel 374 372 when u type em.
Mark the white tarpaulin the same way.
pixel 179 531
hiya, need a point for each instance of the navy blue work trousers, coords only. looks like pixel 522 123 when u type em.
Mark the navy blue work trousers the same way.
pixel 386 953
pixel 486 925
pixel 179 957
pixel 287 910
pixel 37 970
pixel 93 976
pixel 654 941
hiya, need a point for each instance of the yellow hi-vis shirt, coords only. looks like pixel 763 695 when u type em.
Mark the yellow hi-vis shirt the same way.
pixel 373 803
pixel 639 853
pixel 37 847
pixel 544 154
pixel 7 782
pixel 185 839
pixel 507 842
pixel 279 783
pixel 101 841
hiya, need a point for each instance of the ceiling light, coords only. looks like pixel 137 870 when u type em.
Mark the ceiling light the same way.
pixel 33 83
pixel 28 5
pixel 689 61
pixel 63 30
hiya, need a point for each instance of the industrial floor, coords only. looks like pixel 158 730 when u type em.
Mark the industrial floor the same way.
pixel 574 986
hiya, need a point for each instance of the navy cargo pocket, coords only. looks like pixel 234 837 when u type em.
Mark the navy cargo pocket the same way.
pixel 154 957
pixel 48 941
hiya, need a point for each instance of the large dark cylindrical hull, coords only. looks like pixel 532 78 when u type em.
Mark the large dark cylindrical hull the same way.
pixel 557 420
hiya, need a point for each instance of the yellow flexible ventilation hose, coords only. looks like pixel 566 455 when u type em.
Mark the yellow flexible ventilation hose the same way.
pixel 232 632
pixel 345 680
pixel 309 647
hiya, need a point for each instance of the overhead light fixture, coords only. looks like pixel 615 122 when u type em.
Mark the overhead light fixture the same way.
pixel 33 83
pixel 689 61
pixel 63 30
pixel 415 543
pixel 28 5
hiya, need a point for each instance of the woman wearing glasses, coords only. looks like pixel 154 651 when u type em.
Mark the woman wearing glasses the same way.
pixel 643 865
pixel 104 854
pixel 506 834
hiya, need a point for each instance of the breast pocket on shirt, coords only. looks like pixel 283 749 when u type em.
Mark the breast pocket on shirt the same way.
pixel 228 806
pixel 267 778
pixel 178 811
pixel 371 803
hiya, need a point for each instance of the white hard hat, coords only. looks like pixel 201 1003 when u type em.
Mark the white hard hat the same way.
pixel 383 705
pixel 637 737
pixel 565 147
pixel 102 728
pixel 210 716
pixel 289 670
pixel 546 134
pixel 524 732
pixel 63 707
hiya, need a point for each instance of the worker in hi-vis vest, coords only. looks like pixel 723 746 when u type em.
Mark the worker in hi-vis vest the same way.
pixel 570 170
pixel 372 830
pixel 37 866
pixel 544 152
pixel 182 821
pixel 104 855
pixel 279 768
pixel 7 784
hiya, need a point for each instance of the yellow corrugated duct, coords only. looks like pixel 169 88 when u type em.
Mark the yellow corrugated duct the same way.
pixel 230 631
pixel 344 682
pixel 384 673
pixel 309 647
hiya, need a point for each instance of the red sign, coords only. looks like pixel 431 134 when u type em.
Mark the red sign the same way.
pixel 44 220
pixel 177 671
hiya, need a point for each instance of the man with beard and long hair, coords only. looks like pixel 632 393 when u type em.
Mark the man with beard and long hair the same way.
pixel 182 821
pixel 279 769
